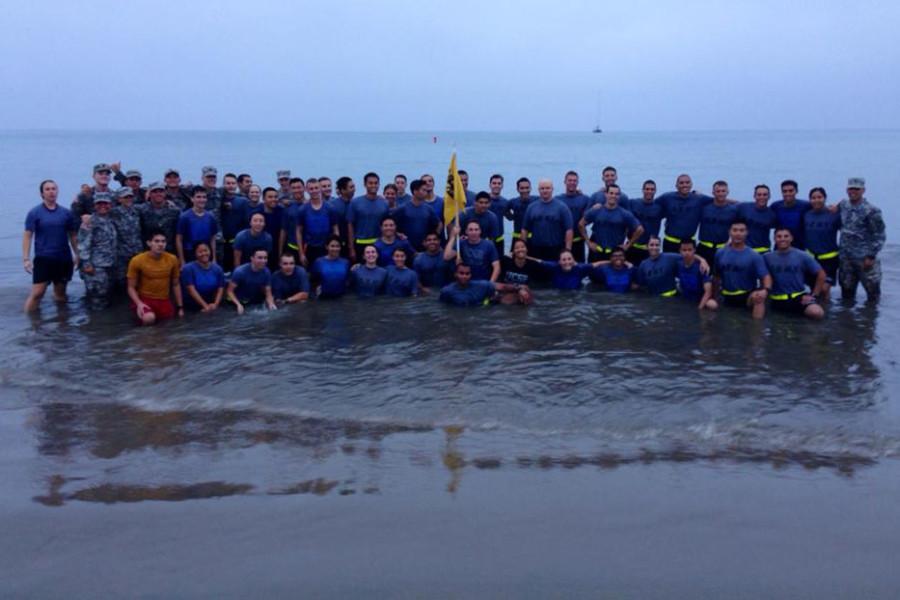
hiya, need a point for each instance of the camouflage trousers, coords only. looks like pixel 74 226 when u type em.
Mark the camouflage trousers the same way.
pixel 98 286
pixel 121 273
pixel 851 274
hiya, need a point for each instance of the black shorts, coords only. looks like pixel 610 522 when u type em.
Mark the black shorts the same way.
pixel 737 300
pixel 708 254
pixel 545 252
pixel 636 256
pixel 790 305
pixel 830 266
pixel 46 270
pixel 669 246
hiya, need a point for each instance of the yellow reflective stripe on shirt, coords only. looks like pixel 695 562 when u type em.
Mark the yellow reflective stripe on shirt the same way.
pixel 761 249
pixel 669 294
pixel 734 292
pixel 578 239
pixel 825 256
pixel 293 246
pixel 366 240
pixel 672 239
pixel 639 246
pixel 786 296
pixel 712 244
pixel 499 238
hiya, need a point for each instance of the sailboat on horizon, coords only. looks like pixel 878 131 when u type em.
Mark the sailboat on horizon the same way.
pixel 596 128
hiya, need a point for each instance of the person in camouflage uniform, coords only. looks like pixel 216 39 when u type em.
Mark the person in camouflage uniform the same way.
pixel 84 202
pixel 158 214
pixel 97 247
pixel 862 238
pixel 128 233
pixel 177 195
pixel 284 187
pixel 214 201
pixel 132 179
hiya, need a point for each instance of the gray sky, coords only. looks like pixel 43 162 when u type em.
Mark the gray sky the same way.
pixel 415 65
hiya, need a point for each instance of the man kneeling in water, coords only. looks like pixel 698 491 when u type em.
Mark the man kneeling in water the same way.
pixel 466 292
pixel 790 268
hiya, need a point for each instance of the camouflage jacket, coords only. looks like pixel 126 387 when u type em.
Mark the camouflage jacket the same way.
pixel 98 242
pixel 862 229
pixel 128 229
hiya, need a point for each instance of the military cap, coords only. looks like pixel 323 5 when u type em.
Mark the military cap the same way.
pixel 209 171
pixel 102 197
pixel 125 191
pixel 102 167
pixel 170 172
pixel 283 174
pixel 856 182
pixel 156 185
pixel 133 173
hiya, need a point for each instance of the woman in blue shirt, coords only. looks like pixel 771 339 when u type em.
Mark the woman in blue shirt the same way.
pixel 368 278
pixel 203 280
pixel 331 270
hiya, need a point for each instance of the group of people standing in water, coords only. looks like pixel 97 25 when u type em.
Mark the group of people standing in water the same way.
pixel 173 247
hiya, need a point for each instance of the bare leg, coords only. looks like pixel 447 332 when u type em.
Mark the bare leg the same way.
pixel 34 298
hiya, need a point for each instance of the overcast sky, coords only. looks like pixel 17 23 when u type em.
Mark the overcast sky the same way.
pixel 450 65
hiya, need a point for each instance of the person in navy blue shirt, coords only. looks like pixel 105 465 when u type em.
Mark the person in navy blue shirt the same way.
pixel 368 278
pixel 479 254
pixel 314 222
pixel 681 209
pixel 741 273
pixel 401 280
pixel 416 219
pixel 203 280
pixel 54 230
pixel 500 208
pixel 694 281
pixel 611 226
pixel 274 213
pixel 290 283
pixel 760 219
pixel 547 226
pixel 566 273
pixel 821 234
pixel 430 266
pixel 467 292
pixel 332 270
pixel 252 283
pixel 481 214
pixel 388 242
pixel 614 275
pixel 249 240
pixel 195 225
pixel 790 269
pixel 364 217
pixel 577 204
pixel 519 204
pixel 649 213
pixel 789 212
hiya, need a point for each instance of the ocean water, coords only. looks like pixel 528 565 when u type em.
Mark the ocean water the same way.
pixel 401 448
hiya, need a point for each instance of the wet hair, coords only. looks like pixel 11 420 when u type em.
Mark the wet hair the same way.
pixel 332 238
pixel 460 265
pixel 738 222
pixel 518 241
pixel 198 189
pixel 650 181
pixel 369 175
pixel 43 183
pixel 522 180
pixel 343 182
pixel 430 233
pixel 496 176
pixel 390 186
pixel 654 237
pixel 618 250
pixel 720 182
pixel 761 186
pixel 227 175
pixel 250 220
pixel 481 195
pixel 783 228
pixel 473 222
pixel 152 233
pixel 243 177
pixel 689 242
pixel 570 173
pixel 818 189
pixel 287 255
pixel 790 182
pixel 388 218
pixel 566 251
pixel 400 176
pixel 463 172
pixel 403 250
pixel 613 185
pixel 416 185
pixel 258 250
pixel 267 190
pixel 295 180
pixel 321 179
pixel 198 244
pixel 607 169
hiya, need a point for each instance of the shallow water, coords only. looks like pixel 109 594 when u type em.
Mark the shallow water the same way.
pixel 403 448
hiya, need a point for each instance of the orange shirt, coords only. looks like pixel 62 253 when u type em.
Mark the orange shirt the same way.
pixel 154 276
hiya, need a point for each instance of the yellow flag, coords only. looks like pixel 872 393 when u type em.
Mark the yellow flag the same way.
pixel 454 194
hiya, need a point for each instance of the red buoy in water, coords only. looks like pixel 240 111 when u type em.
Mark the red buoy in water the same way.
pixel 434 140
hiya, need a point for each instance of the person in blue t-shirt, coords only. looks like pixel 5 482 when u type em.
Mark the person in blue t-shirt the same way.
pixel 614 275
pixel 658 271
pixel 433 271
pixel 368 278
pixel 578 204
pixel 203 281
pixel 566 274
pixel 741 273
pixel 609 225
pixel 331 271
pixel 195 225
pixel 465 291
pixel 314 222
pixel 760 219
pixel 547 226
pixel 695 283
pixel 478 253
pixel 249 240
pixel 54 230
pixel 252 283
pixel 364 217
pixel 415 218
pixel 681 210
pixel 290 283
pixel 481 213
pixel 790 269
pixel 388 242
pixel 401 280
pixel 789 212
pixel 821 227
pixel 649 212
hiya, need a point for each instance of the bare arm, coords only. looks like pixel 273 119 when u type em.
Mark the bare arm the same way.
pixel 449 250
pixel 820 283
pixel 230 293
pixel 270 301
pixel 634 236
pixel 569 237
pixel 179 247
pixel 495 273
pixel 26 250
pixel 179 300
